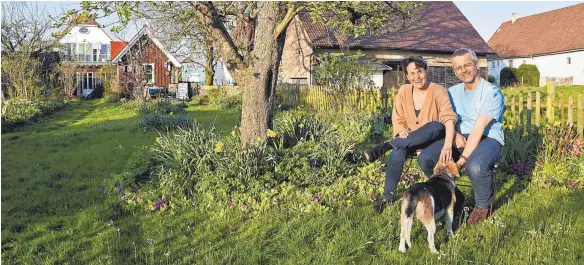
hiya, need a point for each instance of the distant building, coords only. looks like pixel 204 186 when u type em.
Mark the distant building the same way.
pixel 553 41
pixel 442 30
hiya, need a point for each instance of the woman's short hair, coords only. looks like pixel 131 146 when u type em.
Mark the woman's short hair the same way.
pixel 417 60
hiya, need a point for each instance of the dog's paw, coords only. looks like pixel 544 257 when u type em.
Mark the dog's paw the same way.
pixel 402 249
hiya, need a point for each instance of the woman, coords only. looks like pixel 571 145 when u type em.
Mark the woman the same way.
pixel 422 114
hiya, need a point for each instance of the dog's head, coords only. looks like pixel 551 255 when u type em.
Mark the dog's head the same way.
pixel 449 168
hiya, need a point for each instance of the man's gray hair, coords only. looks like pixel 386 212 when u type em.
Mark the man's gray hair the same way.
pixel 463 51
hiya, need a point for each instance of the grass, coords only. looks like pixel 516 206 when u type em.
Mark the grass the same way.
pixel 54 211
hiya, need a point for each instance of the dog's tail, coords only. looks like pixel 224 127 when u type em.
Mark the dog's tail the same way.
pixel 411 204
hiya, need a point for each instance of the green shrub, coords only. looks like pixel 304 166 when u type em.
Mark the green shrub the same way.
pixel 162 121
pixel 160 107
pixel 17 112
pixel 508 76
pixel 559 160
pixel 220 98
pixel 519 147
pixel 199 100
pixel 528 74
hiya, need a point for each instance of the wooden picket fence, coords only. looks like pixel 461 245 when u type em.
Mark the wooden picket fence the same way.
pixel 348 101
pixel 533 110
pixel 529 108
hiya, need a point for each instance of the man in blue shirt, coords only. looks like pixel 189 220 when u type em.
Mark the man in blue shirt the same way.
pixel 479 138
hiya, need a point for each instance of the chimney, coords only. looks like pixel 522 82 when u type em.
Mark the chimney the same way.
pixel 513 18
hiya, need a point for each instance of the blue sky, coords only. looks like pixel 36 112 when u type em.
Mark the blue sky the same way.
pixel 485 16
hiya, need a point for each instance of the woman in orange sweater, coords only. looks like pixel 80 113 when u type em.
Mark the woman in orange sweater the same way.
pixel 422 115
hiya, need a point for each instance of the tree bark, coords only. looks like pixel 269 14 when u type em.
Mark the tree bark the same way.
pixel 209 70
pixel 262 77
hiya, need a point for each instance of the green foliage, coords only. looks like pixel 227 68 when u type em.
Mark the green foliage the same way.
pixel 529 74
pixel 220 98
pixel 199 100
pixel 159 107
pixel 559 159
pixel 17 112
pixel 343 72
pixel 508 76
pixel 520 147
pixel 151 122
pixel 22 75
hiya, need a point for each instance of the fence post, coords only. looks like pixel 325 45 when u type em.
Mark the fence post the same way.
pixel 521 121
pixel 580 116
pixel 551 89
pixel 570 110
pixel 529 111
pixel 561 109
pixel 537 108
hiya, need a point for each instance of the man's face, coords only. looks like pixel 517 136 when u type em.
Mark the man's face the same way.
pixel 464 68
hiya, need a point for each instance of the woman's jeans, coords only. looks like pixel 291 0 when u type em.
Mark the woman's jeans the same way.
pixel 418 139
pixel 478 167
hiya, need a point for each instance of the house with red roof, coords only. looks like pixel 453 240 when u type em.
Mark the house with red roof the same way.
pixel 442 29
pixel 553 41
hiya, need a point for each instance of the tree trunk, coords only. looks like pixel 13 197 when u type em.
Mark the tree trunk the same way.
pixel 209 69
pixel 260 82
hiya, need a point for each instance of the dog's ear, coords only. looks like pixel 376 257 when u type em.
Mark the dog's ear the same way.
pixel 440 168
pixel 453 168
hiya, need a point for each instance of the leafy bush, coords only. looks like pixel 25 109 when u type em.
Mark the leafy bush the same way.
pixel 199 100
pixel 508 76
pixel 17 112
pixel 560 160
pixel 529 74
pixel 220 98
pixel 160 107
pixel 157 121
pixel 492 79
pixel 520 147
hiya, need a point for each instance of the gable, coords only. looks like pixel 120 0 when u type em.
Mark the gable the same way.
pixel 85 33
pixel 443 28
pixel 550 32
pixel 146 33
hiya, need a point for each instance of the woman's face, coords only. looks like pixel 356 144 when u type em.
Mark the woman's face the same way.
pixel 416 75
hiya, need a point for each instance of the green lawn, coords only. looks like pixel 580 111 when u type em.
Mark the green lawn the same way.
pixel 54 211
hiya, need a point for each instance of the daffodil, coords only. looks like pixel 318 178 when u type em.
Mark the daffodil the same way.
pixel 218 147
pixel 271 133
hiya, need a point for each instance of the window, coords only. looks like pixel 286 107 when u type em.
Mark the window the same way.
pixel 497 63
pixel 492 65
pixel 510 63
pixel 569 60
pixel 84 30
pixel 299 80
pixel 174 76
pixel 94 55
pixel 148 73
pixel 104 53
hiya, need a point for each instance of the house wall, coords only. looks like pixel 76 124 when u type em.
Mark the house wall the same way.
pixel 296 56
pixel 153 55
pixel 549 66
pixel 95 35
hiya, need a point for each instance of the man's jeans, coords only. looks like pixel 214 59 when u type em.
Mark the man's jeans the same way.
pixel 478 166
pixel 417 139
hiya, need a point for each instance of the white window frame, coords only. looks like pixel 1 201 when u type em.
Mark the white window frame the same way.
pixel 152 79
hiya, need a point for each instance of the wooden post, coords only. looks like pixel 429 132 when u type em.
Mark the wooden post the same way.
pixel 561 109
pixel 537 108
pixel 513 114
pixel 580 116
pixel 570 110
pixel 529 111
pixel 551 90
pixel 521 121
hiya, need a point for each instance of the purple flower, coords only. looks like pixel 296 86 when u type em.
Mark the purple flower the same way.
pixel 317 197
pixel 158 204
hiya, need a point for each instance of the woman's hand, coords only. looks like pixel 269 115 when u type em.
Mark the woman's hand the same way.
pixel 446 154
pixel 403 135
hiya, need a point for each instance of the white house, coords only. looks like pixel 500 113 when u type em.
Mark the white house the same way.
pixel 553 41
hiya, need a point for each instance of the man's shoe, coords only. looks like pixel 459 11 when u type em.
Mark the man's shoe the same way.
pixel 377 151
pixel 478 215
pixel 381 203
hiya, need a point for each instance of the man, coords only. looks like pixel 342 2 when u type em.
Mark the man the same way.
pixel 479 138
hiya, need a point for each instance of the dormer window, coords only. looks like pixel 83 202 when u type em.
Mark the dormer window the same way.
pixel 84 30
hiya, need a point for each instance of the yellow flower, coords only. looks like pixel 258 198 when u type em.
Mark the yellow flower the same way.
pixel 233 133
pixel 301 125
pixel 259 139
pixel 158 139
pixel 171 113
pixel 271 133
pixel 218 147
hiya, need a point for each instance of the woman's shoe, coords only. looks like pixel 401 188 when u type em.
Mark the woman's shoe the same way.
pixel 377 151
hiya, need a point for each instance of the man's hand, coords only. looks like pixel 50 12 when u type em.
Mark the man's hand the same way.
pixel 460 141
pixel 403 135
pixel 446 154
pixel 461 161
